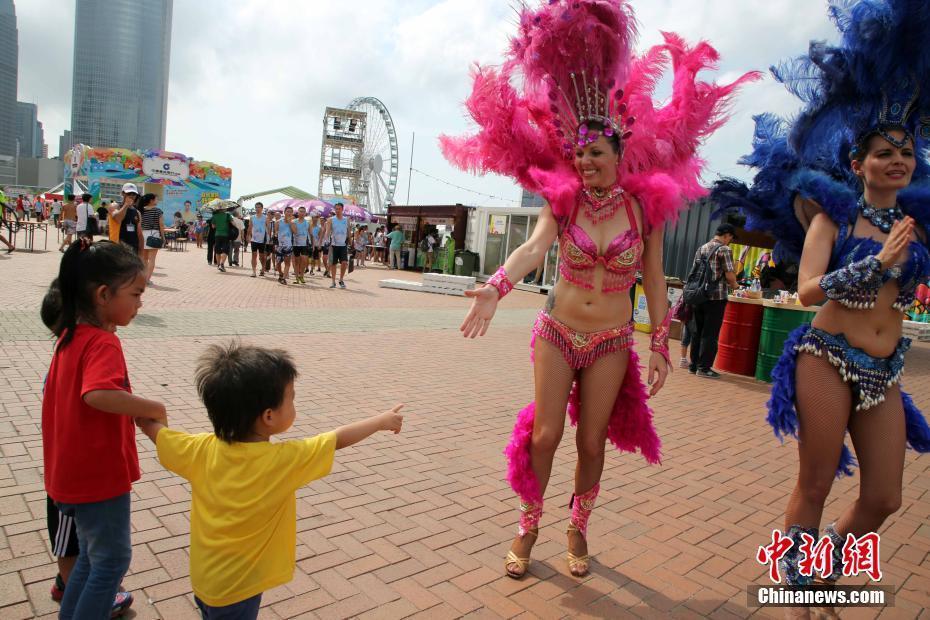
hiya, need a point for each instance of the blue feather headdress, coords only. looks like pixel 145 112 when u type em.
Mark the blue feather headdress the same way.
pixel 868 84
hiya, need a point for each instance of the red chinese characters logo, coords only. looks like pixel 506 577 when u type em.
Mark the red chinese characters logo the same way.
pixel 859 555
pixel 816 558
pixel 770 554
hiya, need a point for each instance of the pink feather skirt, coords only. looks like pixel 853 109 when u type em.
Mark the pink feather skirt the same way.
pixel 630 428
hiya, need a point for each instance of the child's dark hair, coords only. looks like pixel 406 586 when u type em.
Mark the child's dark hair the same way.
pixel 84 268
pixel 237 383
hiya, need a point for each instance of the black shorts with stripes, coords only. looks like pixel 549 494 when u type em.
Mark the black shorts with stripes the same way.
pixel 62 532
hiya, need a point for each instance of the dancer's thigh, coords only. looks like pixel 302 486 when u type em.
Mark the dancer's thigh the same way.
pixel 553 378
pixel 879 437
pixel 600 384
pixel 823 403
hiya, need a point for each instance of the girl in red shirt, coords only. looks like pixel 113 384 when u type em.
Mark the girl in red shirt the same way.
pixel 88 434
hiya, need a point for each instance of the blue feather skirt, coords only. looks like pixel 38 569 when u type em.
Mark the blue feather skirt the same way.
pixel 854 365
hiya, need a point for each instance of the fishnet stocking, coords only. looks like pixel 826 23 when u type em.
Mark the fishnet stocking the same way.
pixel 824 403
pixel 599 384
pixel 879 437
pixel 553 377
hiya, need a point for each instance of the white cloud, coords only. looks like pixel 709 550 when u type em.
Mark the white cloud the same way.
pixel 250 78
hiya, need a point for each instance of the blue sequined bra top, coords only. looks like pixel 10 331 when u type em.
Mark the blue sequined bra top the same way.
pixel 910 274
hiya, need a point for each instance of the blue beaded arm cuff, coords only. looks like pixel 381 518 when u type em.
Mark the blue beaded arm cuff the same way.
pixel 856 285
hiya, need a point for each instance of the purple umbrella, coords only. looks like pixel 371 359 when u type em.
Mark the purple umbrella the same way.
pixel 318 207
pixel 281 205
pixel 358 213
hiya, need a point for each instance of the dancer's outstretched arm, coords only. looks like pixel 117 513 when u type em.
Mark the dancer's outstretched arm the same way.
pixel 523 260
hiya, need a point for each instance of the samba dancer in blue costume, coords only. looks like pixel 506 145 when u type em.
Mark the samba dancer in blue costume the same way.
pixel 845 188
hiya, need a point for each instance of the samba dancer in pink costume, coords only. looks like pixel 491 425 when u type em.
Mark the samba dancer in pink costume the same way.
pixel 611 185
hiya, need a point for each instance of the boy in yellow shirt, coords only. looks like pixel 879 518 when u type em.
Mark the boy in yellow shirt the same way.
pixel 243 503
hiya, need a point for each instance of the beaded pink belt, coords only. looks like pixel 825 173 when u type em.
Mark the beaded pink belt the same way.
pixel 581 349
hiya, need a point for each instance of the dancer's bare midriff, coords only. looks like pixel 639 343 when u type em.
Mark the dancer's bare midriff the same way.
pixel 590 310
pixel 876 331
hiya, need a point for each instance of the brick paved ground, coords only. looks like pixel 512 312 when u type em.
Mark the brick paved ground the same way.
pixel 418 524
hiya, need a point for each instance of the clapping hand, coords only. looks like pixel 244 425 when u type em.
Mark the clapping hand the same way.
pixel 896 243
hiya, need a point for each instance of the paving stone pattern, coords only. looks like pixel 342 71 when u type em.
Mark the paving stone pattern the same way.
pixel 417 524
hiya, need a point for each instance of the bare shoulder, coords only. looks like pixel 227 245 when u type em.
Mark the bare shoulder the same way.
pixel 821 224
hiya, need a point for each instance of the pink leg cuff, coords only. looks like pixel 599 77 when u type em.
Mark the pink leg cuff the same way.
pixel 582 505
pixel 530 514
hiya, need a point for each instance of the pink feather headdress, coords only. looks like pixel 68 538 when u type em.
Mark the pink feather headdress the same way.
pixel 576 61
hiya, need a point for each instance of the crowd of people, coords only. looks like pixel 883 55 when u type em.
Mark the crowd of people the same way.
pixel 135 221
pixel 35 207
pixel 287 244
pixel 283 244
pixel 25 208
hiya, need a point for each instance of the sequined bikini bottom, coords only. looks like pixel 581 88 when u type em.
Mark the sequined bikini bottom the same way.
pixel 869 376
pixel 581 349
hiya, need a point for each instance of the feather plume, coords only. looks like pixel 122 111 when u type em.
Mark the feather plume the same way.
pixel 881 58
pixel 521 135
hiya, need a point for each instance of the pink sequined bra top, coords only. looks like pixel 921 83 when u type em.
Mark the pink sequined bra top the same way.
pixel 579 256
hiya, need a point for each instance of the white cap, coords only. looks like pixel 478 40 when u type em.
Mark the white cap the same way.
pixel 130 188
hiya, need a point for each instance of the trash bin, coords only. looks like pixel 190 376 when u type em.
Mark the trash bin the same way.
pixel 409 258
pixel 466 263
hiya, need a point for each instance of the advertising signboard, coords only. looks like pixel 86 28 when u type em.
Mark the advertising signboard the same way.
pixel 174 177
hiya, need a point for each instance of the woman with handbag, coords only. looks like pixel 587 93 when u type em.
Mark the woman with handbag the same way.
pixel 153 232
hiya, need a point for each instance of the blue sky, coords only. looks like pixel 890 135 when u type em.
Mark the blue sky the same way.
pixel 250 78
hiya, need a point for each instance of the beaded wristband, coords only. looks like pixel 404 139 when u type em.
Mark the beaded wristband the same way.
pixel 658 342
pixel 501 282
pixel 856 285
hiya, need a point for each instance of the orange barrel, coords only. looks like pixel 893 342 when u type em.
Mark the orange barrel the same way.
pixel 738 344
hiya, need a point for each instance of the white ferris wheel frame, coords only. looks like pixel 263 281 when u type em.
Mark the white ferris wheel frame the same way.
pixel 392 166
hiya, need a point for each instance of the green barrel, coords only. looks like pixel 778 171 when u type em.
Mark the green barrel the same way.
pixel 777 323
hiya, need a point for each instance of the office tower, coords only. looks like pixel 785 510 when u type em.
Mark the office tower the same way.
pixel 122 51
pixel 64 143
pixel 9 62
pixel 29 130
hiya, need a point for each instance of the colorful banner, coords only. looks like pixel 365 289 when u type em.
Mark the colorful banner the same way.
pixel 102 171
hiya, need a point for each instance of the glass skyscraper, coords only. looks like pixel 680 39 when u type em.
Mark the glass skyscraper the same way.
pixel 29 130
pixel 9 62
pixel 122 51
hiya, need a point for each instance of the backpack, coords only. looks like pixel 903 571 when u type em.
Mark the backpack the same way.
pixel 699 283
pixel 233 229
pixel 424 244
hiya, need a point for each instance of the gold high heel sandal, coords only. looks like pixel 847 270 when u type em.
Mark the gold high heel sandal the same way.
pixel 578 565
pixel 522 563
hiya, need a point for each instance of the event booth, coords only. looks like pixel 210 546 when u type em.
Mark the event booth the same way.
pixel 448 223
pixel 173 177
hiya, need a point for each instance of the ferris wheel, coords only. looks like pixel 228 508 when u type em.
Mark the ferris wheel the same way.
pixel 376 162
